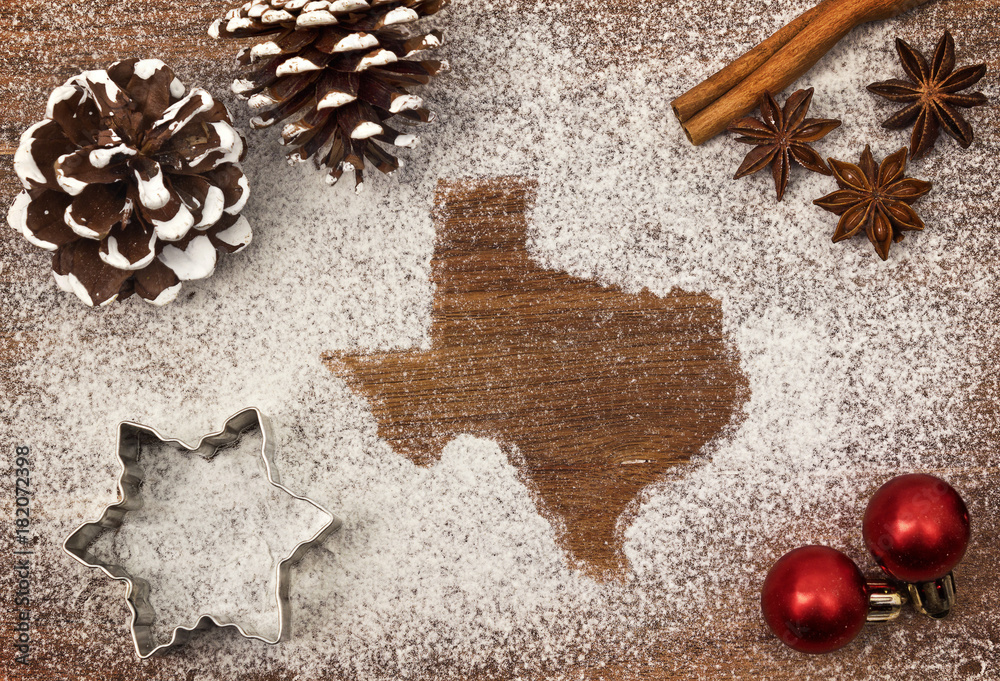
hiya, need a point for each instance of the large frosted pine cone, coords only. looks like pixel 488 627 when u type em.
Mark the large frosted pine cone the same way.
pixel 336 71
pixel 132 183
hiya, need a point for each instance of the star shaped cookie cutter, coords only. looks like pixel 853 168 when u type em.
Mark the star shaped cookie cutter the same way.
pixel 130 438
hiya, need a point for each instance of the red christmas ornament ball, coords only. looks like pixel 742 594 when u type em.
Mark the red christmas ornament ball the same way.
pixel 815 599
pixel 917 527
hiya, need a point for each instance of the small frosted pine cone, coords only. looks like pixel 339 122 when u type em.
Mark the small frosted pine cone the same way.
pixel 133 183
pixel 336 71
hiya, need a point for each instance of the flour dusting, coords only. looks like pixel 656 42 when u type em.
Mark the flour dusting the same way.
pixel 858 369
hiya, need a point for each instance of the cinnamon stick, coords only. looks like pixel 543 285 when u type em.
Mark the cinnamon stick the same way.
pixel 722 81
pixel 706 110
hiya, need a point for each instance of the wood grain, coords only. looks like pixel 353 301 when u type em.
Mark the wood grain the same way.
pixel 49 41
pixel 600 391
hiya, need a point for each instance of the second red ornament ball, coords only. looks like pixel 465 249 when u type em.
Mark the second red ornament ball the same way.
pixel 815 599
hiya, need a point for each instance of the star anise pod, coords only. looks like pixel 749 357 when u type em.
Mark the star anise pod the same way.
pixel 781 136
pixel 932 96
pixel 876 198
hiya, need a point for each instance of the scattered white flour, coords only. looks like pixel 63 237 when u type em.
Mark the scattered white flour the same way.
pixel 858 369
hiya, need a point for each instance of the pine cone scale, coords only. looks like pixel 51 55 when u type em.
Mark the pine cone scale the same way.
pixel 172 221
pixel 40 218
pixel 408 72
pixel 76 171
pixel 335 40
pixel 176 117
pixel 284 89
pixel 156 283
pixel 316 141
pixel 372 21
pixel 113 103
pixel 337 89
pixel 282 110
pixel 195 258
pixel 310 59
pixel 40 147
pixel 221 147
pixel 318 17
pixel 131 247
pixel 77 117
pixel 408 46
pixel 151 184
pixel 396 138
pixel 95 211
pixel 78 268
pixel 347 6
pixel 357 62
pixel 233 238
pixel 234 186
pixel 111 156
pixel 205 201
pixel 289 42
pixel 383 96
pixel 345 83
pixel 277 16
pixel 151 94
pixel 244 27
pixel 380 159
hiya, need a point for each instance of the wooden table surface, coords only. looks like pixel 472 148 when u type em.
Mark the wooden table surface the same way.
pixel 49 41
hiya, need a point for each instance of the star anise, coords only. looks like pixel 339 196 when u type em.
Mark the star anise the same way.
pixel 781 136
pixel 875 197
pixel 932 96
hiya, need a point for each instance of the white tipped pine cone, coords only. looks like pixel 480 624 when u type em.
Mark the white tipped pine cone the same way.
pixel 336 70
pixel 134 183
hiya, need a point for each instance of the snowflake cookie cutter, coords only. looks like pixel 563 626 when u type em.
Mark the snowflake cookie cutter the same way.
pixel 130 438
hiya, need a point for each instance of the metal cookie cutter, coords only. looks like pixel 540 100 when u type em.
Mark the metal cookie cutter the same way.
pixel 130 439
